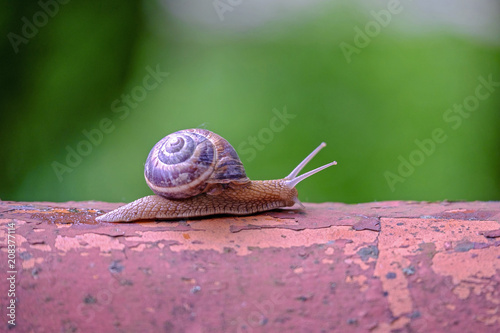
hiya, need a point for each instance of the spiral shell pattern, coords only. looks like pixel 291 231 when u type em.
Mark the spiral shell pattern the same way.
pixel 189 162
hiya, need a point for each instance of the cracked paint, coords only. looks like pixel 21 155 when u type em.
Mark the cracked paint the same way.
pixel 481 266
pixel 379 267
pixel 217 237
pixel 104 243
pixel 402 238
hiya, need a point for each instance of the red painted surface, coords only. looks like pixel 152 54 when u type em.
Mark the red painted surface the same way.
pixel 379 267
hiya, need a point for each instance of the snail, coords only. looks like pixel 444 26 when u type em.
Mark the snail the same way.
pixel 195 173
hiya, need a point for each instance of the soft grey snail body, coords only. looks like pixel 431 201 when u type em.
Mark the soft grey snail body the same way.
pixel 196 172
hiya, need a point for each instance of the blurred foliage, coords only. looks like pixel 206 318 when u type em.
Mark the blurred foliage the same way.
pixel 78 69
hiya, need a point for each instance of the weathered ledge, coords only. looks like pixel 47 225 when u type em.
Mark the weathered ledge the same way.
pixel 380 266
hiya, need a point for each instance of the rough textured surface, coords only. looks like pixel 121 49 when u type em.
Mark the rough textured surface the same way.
pixel 379 267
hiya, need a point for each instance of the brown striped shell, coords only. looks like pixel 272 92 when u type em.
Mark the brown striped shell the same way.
pixel 190 162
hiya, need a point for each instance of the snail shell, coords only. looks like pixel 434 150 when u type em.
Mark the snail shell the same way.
pixel 190 162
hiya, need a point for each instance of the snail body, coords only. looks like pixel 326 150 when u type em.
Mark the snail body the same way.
pixel 197 173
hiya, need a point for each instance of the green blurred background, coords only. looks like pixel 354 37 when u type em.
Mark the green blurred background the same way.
pixel 344 72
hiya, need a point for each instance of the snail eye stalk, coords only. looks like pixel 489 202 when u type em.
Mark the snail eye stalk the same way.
pixel 292 179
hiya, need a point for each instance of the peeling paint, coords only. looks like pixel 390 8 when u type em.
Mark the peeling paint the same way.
pixel 86 241
pixel 401 238
pixel 378 267
pixel 218 237
pixel 475 277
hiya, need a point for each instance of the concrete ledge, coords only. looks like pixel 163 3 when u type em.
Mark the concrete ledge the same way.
pixel 381 266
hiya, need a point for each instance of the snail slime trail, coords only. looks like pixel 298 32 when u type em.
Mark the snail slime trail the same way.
pixel 195 173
